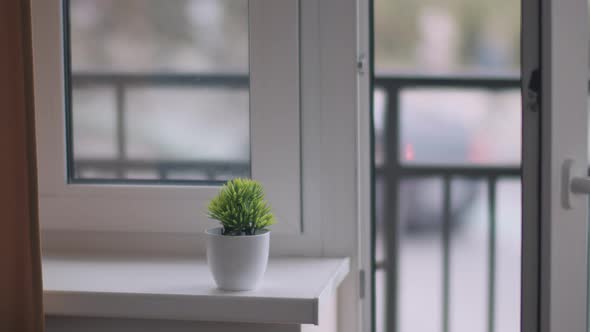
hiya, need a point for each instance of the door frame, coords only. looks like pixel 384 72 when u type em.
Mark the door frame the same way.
pixel 564 120
pixel 531 163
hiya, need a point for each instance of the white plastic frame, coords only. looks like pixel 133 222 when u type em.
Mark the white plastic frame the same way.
pixel 563 290
pixel 334 181
pixel 275 136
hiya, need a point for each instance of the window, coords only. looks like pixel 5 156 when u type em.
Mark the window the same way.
pixel 447 118
pixel 157 92
pixel 142 116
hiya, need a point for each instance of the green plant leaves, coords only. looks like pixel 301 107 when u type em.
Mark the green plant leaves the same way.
pixel 241 208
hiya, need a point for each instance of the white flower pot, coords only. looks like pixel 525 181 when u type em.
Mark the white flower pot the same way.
pixel 237 263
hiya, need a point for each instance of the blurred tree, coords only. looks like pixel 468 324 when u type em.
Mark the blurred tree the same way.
pixel 156 35
pixel 482 35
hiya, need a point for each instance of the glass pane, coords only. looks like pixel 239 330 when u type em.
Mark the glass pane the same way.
pixel 445 126
pixel 174 103
pixel 469 256
pixel 190 133
pixel 159 36
pixel 380 298
pixel 508 255
pixel 420 280
pixel 447 103
pixel 94 121
pixel 380 103
pixel 447 36
pixel 380 255
pixel 380 206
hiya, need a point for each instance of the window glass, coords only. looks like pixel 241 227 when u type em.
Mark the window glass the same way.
pixel 420 280
pixel 447 155
pixel 469 270
pixel 508 254
pixel 442 126
pixel 159 90
pixel 447 36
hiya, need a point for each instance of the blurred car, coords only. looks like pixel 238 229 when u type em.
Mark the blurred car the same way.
pixel 441 128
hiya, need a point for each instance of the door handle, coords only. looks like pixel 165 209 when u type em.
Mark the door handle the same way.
pixel 580 185
pixel 574 182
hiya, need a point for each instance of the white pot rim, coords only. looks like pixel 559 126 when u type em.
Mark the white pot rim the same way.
pixel 216 231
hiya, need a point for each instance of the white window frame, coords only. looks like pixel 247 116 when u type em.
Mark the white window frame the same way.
pixel 334 205
pixel 274 123
pixel 563 262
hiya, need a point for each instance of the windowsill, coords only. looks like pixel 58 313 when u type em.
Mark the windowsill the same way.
pixel 183 289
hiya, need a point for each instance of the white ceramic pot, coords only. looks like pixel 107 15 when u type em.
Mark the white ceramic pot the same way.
pixel 237 263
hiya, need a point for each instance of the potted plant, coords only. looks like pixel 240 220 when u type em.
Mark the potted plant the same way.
pixel 237 252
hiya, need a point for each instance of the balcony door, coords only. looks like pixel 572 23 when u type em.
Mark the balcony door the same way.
pixel 479 115
pixel 563 178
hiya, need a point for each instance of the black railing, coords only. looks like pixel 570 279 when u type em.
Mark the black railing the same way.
pixel 206 171
pixel 211 80
pixel 391 172
pixel 165 170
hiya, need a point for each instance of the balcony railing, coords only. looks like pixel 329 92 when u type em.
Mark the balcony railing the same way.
pixel 210 171
pixel 391 172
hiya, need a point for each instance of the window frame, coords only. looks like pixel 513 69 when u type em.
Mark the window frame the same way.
pixel 335 178
pixel 275 159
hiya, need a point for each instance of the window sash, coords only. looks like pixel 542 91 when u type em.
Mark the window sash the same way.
pixel 275 136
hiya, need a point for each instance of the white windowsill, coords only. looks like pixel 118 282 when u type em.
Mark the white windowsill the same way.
pixel 183 289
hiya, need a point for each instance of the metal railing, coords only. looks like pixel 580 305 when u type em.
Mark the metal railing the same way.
pixel 210 171
pixel 392 172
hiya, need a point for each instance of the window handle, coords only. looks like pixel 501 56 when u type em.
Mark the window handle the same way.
pixel 581 185
pixel 574 182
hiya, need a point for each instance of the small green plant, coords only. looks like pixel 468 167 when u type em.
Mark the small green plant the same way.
pixel 241 209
